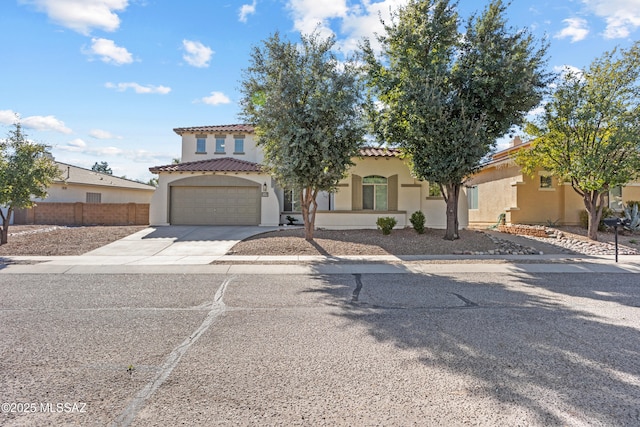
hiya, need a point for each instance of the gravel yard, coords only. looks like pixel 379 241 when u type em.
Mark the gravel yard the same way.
pixel 362 242
pixel 53 240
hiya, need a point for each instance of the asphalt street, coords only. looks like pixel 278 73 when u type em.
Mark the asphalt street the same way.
pixel 439 349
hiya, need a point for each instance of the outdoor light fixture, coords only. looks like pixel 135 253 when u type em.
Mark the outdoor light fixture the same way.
pixel 264 187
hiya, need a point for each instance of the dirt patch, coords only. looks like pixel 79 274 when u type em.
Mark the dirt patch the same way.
pixel 52 240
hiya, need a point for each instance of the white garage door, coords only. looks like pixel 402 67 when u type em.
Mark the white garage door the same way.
pixel 215 205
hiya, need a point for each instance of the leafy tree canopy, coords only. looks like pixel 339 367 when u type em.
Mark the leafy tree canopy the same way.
pixel 445 96
pixel 102 167
pixel 26 171
pixel 589 133
pixel 307 109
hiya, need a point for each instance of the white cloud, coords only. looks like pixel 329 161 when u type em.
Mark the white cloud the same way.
pixel 364 21
pixel 137 88
pixel 216 98
pixel 102 134
pixel 576 29
pixel 622 16
pixel 82 15
pixel 109 52
pixel 310 15
pixel 246 10
pixel 197 54
pixel 43 123
pixel 77 145
pixel 568 69
pixel 7 117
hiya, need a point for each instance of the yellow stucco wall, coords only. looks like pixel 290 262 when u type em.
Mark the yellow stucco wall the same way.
pixel 502 188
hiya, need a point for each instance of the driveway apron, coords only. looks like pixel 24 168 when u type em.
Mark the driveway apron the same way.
pixel 180 240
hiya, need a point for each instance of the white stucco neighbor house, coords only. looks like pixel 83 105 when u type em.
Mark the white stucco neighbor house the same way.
pixel 220 182
pixel 88 186
pixel 82 196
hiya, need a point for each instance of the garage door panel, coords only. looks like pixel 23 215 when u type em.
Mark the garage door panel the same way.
pixel 215 205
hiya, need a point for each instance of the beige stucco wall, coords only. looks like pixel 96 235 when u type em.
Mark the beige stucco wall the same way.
pixel 159 210
pixel 412 196
pixel 70 193
pixel 251 153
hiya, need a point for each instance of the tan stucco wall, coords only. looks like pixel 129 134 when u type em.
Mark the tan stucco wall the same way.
pixel 497 193
pixel 71 193
pixel 506 189
pixel 159 210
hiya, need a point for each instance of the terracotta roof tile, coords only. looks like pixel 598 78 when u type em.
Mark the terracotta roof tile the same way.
pixel 223 164
pixel 379 152
pixel 244 128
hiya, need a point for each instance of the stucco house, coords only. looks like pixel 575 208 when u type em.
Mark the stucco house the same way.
pixel 220 182
pixel 83 196
pixel 501 187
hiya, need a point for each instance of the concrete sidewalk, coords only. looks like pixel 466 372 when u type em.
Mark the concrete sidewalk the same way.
pixel 230 264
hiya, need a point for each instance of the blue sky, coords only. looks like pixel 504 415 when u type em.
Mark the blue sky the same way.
pixel 108 80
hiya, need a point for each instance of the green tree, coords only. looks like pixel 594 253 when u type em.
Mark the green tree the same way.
pixel 26 171
pixel 102 167
pixel 444 97
pixel 589 133
pixel 307 109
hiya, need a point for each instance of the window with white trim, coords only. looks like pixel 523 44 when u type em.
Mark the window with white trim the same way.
pixel 201 145
pixel 238 147
pixel 374 193
pixel 219 145
pixel 615 199
pixel 291 200
pixel 472 197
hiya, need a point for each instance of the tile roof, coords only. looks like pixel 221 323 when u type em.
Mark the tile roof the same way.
pixel 223 164
pixel 244 128
pixel 71 174
pixel 379 152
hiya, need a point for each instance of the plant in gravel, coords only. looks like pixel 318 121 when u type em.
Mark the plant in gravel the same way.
pixel 386 224
pixel 632 217
pixel 417 221
pixel 130 369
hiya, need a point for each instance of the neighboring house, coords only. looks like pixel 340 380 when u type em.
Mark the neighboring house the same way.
pixel 83 196
pixel 500 187
pixel 220 182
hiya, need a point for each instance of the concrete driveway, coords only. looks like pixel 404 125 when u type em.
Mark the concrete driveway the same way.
pixel 179 241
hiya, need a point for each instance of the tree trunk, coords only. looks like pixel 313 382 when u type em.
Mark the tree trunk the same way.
pixel 594 203
pixel 451 195
pixel 4 233
pixel 309 208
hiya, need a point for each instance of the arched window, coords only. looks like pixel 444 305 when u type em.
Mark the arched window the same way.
pixel 374 193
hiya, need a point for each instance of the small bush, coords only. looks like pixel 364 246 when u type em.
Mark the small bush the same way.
pixel 631 203
pixel 606 213
pixel 417 220
pixel 386 224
